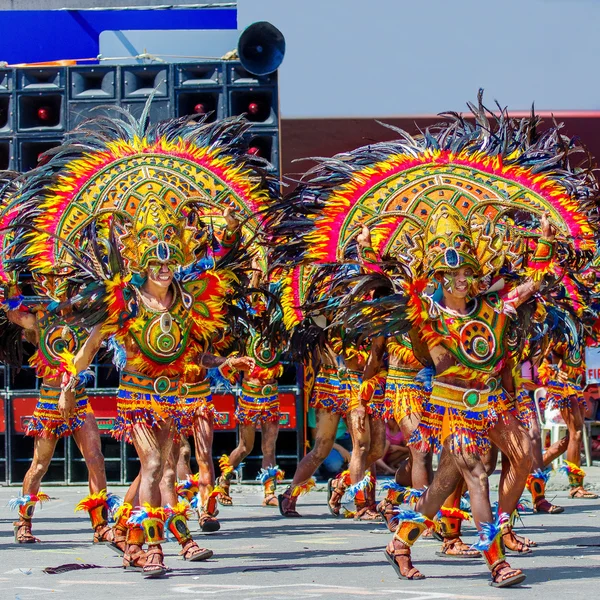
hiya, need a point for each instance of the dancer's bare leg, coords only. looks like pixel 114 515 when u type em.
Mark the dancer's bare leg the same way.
pixel 153 447
pixel 43 451
pixel 421 462
pixel 361 443
pixel 87 438
pixel 269 432
pixel 325 432
pixel 203 439
pixel 574 419
pixel 517 459
pixel 184 467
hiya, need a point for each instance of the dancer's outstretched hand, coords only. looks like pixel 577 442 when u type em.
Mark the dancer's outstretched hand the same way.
pixel 242 363
pixel 364 238
pixel 230 219
pixel 548 231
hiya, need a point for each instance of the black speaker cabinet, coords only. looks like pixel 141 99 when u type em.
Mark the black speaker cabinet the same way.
pixel 89 83
pixel 31 150
pixel 201 74
pixel 46 78
pixel 209 101
pixel 142 81
pixel 259 105
pixel 159 111
pixel 6 114
pixel 80 111
pixel 264 143
pixel 6 154
pixel 237 75
pixel 40 111
pixel 6 80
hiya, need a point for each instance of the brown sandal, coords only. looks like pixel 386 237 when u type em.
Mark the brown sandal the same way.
pixel 546 507
pixel 119 539
pixel 103 534
pixel 456 548
pixel 208 523
pixel 23 533
pixel 581 492
pixel 154 567
pixel 224 499
pixel 335 492
pixel 367 513
pixel 134 560
pixel 394 555
pixel 388 511
pixel 516 543
pixel 191 552
pixel 270 500
pixel 287 505
pixel 503 575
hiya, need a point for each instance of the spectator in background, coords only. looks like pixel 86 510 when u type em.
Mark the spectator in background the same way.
pixel 591 393
pixel 395 452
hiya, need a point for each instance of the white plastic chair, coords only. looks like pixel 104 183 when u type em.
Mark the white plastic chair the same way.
pixel 559 430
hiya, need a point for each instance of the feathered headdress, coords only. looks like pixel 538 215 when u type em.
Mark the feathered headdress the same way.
pixel 499 174
pixel 154 183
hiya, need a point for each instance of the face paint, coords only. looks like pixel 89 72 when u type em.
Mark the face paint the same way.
pixel 156 267
pixel 448 282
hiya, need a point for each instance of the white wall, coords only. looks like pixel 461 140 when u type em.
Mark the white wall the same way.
pixel 399 57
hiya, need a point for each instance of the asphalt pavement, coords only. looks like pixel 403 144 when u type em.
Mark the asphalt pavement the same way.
pixel 259 554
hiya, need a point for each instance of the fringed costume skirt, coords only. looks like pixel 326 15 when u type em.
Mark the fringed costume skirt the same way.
pixel 196 401
pixel 48 422
pixel 147 401
pixel 376 407
pixel 560 395
pixel 257 403
pixel 327 393
pixel 524 409
pixel 464 416
pixel 403 394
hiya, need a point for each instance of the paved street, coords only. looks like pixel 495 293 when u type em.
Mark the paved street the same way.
pixel 258 554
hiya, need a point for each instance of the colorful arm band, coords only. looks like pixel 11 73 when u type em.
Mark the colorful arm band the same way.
pixel 542 262
pixel 369 258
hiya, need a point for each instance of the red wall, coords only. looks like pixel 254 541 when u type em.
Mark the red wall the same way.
pixel 305 138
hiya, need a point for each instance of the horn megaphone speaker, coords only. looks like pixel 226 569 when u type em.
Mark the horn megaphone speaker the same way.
pixel 261 48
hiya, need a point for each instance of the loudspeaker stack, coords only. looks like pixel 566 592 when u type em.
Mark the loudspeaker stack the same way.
pixel 39 105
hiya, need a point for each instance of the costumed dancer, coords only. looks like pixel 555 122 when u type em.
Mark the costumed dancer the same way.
pixel 455 206
pixel 408 387
pixel 562 372
pixel 129 282
pixel 537 479
pixel 329 403
pixel 365 417
pixel 366 411
pixel 51 420
pixel 258 401
pixel 405 393
pixel 309 345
